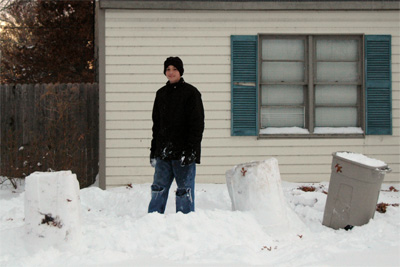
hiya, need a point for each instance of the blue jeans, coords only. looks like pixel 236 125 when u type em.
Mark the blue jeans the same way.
pixel 165 172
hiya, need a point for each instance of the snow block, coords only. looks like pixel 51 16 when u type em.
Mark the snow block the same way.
pixel 52 207
pixel 256 187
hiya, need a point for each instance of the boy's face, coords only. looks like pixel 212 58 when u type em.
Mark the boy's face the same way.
pixel 172 74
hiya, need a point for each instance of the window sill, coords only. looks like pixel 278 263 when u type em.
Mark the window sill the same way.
pixel 319 132
pixel 310 136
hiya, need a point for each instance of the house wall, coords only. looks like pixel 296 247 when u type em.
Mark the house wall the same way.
pixel 136 45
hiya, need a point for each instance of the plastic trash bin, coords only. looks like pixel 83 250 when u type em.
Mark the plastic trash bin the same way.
pixel 354 189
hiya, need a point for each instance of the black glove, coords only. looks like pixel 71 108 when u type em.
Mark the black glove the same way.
pixel 188 157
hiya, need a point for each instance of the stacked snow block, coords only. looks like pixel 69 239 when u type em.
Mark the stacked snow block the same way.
pixel 52 207
pixel 256 187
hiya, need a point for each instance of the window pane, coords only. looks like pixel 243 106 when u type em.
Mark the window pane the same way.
pixel 337 50
pixel 336 95
pixel 336 117
pixel 282 72
pixel 282 95
pixel 283 49
pixel 337 71
pixel 282 117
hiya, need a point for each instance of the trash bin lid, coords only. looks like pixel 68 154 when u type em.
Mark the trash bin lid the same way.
pixel 361 160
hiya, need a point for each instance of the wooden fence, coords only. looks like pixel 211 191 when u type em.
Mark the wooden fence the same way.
pixel 47 127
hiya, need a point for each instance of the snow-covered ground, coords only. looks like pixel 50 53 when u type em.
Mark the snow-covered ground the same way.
pixel 117 231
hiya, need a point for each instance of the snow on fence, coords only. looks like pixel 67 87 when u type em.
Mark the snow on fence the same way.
pixel 49 127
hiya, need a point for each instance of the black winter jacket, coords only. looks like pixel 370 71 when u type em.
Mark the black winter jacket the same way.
pixel 178 122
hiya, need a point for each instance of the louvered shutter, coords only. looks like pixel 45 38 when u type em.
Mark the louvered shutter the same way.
pixel 378 76
pixel 244 85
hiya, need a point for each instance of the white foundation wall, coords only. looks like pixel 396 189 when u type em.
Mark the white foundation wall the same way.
pixel 138 42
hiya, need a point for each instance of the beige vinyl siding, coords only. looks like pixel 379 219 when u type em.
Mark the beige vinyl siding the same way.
pixel 137 43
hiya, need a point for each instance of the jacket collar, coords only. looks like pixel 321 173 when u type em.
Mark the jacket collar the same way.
pixel 181 81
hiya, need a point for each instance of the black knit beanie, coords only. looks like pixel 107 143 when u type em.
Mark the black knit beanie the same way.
pixel 174 61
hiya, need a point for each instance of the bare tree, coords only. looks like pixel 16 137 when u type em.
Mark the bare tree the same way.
pixel 4 4
pixel 47 41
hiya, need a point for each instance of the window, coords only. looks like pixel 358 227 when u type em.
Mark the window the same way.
pixel 311 85
pixel 337 82
pixel 283 82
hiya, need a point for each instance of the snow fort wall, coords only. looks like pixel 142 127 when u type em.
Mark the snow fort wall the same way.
pixel 256 187
pixel 52 207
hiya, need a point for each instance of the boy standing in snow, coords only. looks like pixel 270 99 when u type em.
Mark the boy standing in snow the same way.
pixel 178 125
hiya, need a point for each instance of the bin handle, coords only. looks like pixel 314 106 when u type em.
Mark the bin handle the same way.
pixel 386 169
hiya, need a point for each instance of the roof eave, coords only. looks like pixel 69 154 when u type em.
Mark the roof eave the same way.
pixel 249 5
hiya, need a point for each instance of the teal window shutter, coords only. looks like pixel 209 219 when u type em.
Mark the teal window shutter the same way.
pixel 244 102
pixel 378 84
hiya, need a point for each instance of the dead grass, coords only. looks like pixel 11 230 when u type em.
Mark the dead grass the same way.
pixel 381 207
